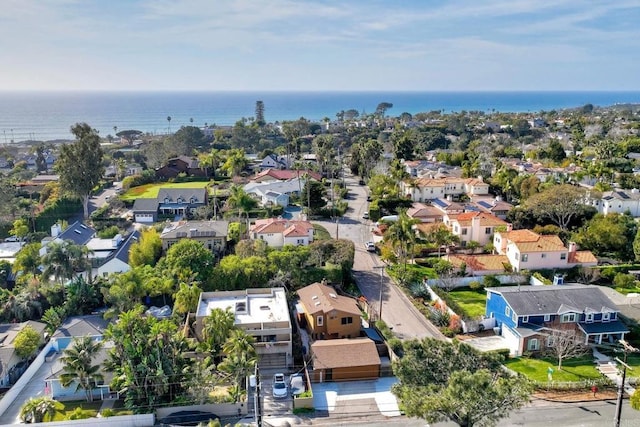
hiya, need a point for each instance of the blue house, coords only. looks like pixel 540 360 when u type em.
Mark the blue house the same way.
pixel 527 315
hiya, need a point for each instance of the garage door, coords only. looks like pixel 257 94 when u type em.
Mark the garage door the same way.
pixel 275 360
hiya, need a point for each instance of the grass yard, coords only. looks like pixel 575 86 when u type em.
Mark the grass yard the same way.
pixel 573 370
pixel 320 233
pixel 472 302
pixel 150 191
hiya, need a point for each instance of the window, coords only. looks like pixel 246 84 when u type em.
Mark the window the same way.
pixel 524 257
pixel 543 256
pixel 547 317
pixel 551 340
pixel 464 231
pixel 525 319
pixel 507 311
pixel 455 229
pixel 606 317
pixel 320 320
pixel 487 230
pixel 514 317
pixel 563 255
pixel 533 344
pixel 346 320
pixel 589 318
pixel 568 318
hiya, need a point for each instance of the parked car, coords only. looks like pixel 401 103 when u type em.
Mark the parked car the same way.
pixel 371 247
pixel 12 239
pixel 365 215
pixel 296 382
pixel 279 387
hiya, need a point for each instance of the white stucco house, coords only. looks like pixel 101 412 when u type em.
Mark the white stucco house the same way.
pixel 277 232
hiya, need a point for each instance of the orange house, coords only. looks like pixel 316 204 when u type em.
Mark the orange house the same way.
pixel 327 314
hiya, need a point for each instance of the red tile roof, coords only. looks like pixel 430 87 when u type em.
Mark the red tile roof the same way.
pixel 286 174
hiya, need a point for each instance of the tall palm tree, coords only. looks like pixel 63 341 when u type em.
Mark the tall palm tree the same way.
pixel 216 329
pixel 79 368
pixel 36 409
pixel 241 359
pixel 57 263
pixel 402 237
pixel 239 199
pixel 169 120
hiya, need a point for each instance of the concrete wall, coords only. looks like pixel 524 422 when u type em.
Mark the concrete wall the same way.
pixel 142 420
pixel 461 282
pixel 220 409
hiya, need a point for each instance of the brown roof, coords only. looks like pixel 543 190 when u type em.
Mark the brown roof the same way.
pixel 543 244
pixel 322 298
pixel 279 225
pixel 582 257
pixel 486 219
pixel 419 210
pixel 286 174
pixel 344 353
pixel 480 262
pixel 298 229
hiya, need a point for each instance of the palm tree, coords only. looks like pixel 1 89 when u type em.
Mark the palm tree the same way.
pixel 36 409
pixel 239 199
pixel 216 329
pixel 78 366
pixel 56 262
pixel 402 237
pixel 240 361
pixel 169 120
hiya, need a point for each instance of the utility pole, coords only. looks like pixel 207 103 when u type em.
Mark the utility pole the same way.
pixel 215 203
pixel 257 409
pixel 626 348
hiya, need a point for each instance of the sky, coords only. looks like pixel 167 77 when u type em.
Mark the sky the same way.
pixel 315 45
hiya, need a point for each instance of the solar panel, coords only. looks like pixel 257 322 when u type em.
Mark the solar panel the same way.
pixel 484 204
pixel 622 195
pixel 439 202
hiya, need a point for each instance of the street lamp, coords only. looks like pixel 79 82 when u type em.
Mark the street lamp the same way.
pixel 381 268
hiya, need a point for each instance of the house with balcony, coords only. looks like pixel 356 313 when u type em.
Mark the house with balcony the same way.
pixel 474 226
pixel 528 316
pixel 211 234
pixel 327 315
pixel 277 232
pixel 527 250
pixel 619 201
pixel 175 202
pixel 423 189
pixel 263 313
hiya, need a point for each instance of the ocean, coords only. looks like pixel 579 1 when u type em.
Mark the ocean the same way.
pixel 49 115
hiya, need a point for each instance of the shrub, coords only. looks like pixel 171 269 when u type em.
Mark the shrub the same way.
pixel 448 332
pixel 440 317
pixel 109 232
pixel 626 281
pixel 475 285
pixel 490 281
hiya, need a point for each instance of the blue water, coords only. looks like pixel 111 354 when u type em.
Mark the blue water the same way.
pixel 49 115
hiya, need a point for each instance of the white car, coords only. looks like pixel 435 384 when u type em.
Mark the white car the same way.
pixel 296 382
pixel 12 239
pixel 365 215
pixel 371 247
pixel 279 387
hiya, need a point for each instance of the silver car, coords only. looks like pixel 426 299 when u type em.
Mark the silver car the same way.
pixel 279 387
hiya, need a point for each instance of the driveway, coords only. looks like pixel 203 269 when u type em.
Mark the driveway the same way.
pixel 356 397
pixel 397 310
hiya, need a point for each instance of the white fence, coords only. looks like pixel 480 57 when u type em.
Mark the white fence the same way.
pixel 15 390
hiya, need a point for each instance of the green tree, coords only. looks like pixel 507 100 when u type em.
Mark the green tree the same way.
pixel 147 250
pixel 240 200
pixel 20 228
pixel 560 203
pixel 441 381
pixel 27 342
pixel 186 140
pixel 216 330
pixel 39 409
pixel 313 195
pixel 80 164
pixel 83 296
pixel 186 299
pixel 402 238
pixel 235 162
pixel 609 235
pixel 382 108
pixel 79 368
pixel 260 113
pixel 53 318
pixel 188 259
pixel 28 259
pixel 240 360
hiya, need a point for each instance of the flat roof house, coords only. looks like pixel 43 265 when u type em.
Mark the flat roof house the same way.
pixel 263 313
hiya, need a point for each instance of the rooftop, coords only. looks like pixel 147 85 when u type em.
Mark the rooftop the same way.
pixel 344 353
pixel 259 305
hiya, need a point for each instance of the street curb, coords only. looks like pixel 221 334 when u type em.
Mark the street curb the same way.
pixel 576 401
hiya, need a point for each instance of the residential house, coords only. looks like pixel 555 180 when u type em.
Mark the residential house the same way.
pixel 186 165
pixel 177 202
pixel 529 316
pixel 275 193
pixel 274 161
pixel 344 359
pixel 278 232
pixel 211 234
pixel 527 250
pixel 479 265
pixel 447 206
pixel 263 313
pixel 117 259
pixel 328 315
pixel 425 213
pixel 496 207
pixel 284 175
pixel 619 201
pixel 474 226
pixel 78 233
pixel 423 189
pixel 92 326
pixel 12 365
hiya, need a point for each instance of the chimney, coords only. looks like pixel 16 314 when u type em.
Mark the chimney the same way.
pixel 117 239
pixel 509 227
pixel 475 224
pixel 56 230
pixel 572 247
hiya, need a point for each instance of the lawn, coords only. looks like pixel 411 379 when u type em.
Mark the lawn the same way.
pixel 573 370
pixel 320 233
pixel 150 191
pixel 472 302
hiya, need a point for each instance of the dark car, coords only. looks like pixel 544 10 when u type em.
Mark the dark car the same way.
pixel 187 418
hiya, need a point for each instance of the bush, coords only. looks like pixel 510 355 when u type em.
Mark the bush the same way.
pixel 109 232
pixel 475 285
pixel 625 281
pixel 447 332
pixel 490 281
